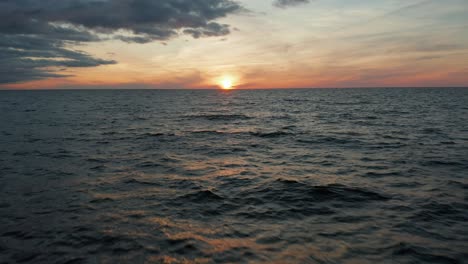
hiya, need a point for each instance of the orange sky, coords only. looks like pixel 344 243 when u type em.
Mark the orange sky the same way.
pixel 320 44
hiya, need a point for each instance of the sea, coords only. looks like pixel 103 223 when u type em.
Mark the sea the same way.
pixel 240 176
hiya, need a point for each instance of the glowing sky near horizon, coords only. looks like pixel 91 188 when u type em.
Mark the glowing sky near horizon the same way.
pixel 322 43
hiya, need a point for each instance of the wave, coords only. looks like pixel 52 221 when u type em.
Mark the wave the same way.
pixel 141 182
pixel 443 212
pixel 149 164
pixel 277 199
pixel 374 174
pixel 329 139
pixel 155 135
pixel 296 100
pixel 291 198
pixel 458 184
pixel 96 160
pixel 202 196
pixel 209 132
pixel 443 163
pixel 274 134
pixel 419 253
pixel 219 117
pixel 101 200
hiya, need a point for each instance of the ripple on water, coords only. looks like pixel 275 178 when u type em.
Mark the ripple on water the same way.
pixel 296 176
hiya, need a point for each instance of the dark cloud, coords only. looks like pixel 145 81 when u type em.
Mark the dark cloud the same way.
pixel 288 3
pixel 211 30
pixel 35 36
pixel 32 57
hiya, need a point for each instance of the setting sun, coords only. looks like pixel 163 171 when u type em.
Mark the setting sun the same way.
pixel 226 84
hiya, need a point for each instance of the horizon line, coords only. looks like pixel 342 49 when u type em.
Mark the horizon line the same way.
pixel 231 90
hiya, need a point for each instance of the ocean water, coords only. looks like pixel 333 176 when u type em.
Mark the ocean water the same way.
pixel 264 176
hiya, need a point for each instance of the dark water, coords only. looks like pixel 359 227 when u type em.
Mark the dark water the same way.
pixel 284 176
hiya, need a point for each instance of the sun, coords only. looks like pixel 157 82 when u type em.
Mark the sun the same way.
pixel 226 83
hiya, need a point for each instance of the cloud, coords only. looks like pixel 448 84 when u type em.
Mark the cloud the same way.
pixel 29 57
pixel 288 3
pixel 36 36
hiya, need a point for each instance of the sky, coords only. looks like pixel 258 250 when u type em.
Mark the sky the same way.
pixel 174 44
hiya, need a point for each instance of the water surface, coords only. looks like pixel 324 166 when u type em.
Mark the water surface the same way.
pixel 285 176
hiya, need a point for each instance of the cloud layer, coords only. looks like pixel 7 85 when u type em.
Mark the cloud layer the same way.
pixel 35 36
pixel 288 3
